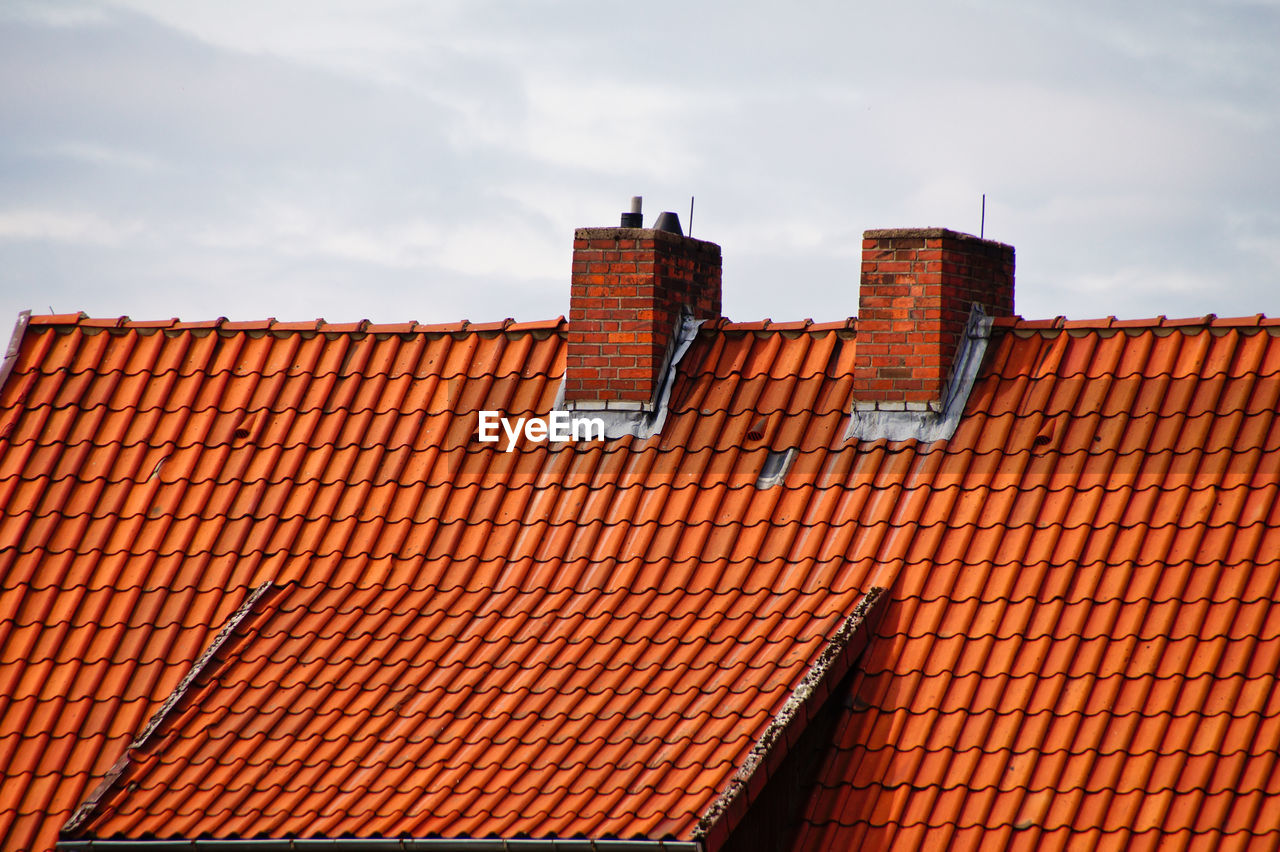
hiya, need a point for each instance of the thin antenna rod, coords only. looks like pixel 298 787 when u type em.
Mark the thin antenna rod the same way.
pixel 982 228
pixel 691 215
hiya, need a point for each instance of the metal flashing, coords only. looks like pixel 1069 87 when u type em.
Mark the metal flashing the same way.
pixel 89 806
pixel 622 418
pixel 15 344
pixel 904 421
pixel 776 465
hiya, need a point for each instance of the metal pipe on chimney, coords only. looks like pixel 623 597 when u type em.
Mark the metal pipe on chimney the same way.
pixel 634 219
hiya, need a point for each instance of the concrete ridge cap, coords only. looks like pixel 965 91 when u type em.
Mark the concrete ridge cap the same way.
pixel 606 232
pixel 928 233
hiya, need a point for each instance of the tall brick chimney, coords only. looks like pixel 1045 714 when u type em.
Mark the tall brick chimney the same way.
pixel 629 289
pixel 918 286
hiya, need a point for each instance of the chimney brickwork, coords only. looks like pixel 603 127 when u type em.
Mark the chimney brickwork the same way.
pixel 628 290
pixel 917 288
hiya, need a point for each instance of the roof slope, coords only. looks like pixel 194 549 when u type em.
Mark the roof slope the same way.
pixel 1082 644
pixel 655 585
pixel 105 600
pixel 1091 558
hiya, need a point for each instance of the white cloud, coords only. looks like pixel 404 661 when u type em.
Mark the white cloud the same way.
pixel 607 126
pixel 67 13
pixel 248 158
pixel 66 227
pixel 100 155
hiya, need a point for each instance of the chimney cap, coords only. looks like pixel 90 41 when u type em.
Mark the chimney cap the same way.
pixel 669 222
pixel 925 233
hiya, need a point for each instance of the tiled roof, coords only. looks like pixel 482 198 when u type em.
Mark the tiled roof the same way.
pixel 461 641
pixel 1083 638
pixel 644 611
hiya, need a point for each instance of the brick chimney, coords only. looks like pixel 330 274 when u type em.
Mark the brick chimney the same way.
pixel 629 289
pixel 918 286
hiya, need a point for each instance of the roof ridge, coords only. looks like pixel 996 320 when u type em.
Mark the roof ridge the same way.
pixel 767 324
pixel 363 326
pixel 1160 321
pixel 15 346
pixel 508 324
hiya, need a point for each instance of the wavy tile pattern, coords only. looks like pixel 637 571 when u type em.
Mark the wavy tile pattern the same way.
pixel 520 626
pixel 588 640
pixel 1083 641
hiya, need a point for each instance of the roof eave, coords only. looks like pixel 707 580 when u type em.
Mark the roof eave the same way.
pixel 356 844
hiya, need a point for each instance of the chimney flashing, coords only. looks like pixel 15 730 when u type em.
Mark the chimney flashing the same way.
pixel 631 293
pixel 640 420
pixel 900 420
pixel 926 301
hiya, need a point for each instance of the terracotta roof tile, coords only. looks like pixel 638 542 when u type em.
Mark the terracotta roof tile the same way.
pixel 211 457
pixel 1123 684
pixel 1079 645
pixel 493 722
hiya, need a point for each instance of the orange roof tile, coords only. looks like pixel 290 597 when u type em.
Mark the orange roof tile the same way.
pixel 1078 644
pixel 161 473
pixel 1089 657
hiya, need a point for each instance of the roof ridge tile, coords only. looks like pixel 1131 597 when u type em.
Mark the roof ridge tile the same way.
pixel 443 327
pixel 58 319
pixel 301 325
pixel 250 325
pixel 344 327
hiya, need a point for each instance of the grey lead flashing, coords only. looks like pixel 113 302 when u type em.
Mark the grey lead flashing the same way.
pixel 639 420
pixel 15 345
pixel 389 844
pixel 776 465
pixel 870 421
pixel 89 806
pixel 819 672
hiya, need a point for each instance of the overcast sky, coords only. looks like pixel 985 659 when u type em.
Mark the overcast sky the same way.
pixel 402 159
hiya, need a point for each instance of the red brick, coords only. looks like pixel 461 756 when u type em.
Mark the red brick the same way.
pixel 638 287
pixel 914 302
